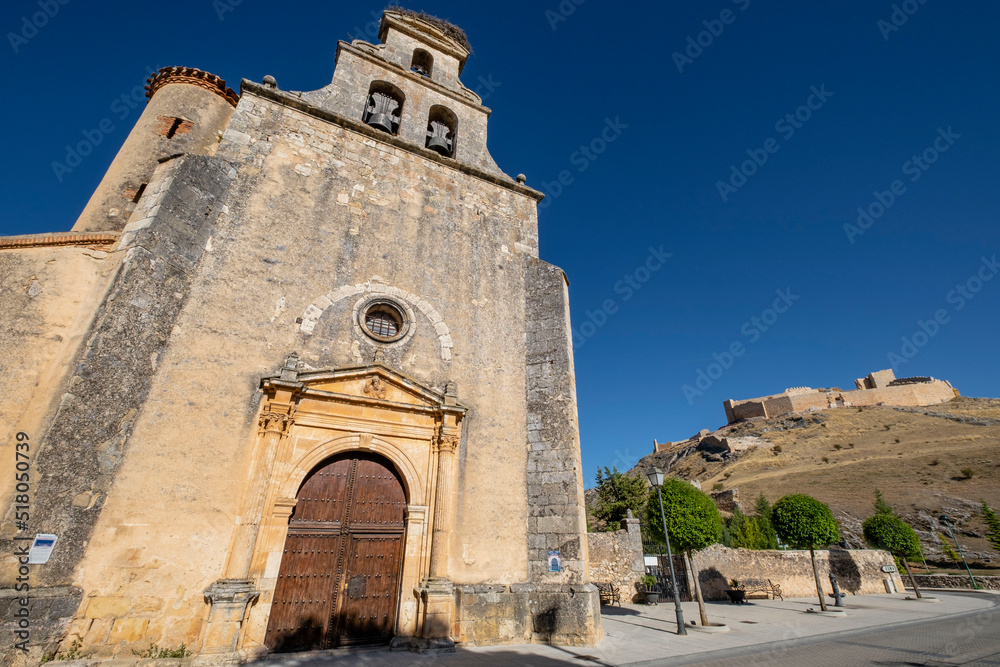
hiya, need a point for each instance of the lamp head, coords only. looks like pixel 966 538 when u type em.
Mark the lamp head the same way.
pixel 945 518
pixel 655 477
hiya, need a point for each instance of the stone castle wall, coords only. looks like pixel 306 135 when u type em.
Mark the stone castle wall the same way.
pixel 917 394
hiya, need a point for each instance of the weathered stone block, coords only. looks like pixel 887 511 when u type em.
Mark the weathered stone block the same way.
pixel 128 630
pixel 104 607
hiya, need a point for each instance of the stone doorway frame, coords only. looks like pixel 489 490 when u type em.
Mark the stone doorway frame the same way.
pixel 306 418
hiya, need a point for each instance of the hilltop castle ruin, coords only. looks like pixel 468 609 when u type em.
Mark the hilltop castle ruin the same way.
pixel 878 387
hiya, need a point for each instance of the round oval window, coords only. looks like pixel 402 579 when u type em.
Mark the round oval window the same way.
pixel 383 321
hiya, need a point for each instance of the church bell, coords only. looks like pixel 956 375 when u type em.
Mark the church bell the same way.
pixel 381 121
pixel 380 112
pixel 437 138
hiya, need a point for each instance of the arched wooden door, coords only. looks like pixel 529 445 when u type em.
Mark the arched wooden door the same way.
pixel 338 583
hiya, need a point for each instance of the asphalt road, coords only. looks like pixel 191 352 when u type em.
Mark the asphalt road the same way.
pixel 971 640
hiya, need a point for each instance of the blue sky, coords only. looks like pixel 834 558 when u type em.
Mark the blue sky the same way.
pixel 672 127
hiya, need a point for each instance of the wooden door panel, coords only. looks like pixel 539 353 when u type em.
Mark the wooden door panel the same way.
pixel 338 582
pixel 379 500
pixel 303 598
pixel 324 496
pixel 370 590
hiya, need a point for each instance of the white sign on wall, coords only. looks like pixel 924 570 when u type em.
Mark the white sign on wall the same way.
pixel 41 548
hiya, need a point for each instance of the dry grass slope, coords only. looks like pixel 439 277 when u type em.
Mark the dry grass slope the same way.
pixel 919 457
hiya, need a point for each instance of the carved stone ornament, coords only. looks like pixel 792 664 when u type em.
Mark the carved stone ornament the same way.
pixel 273 422
pixel 375 387
pixel 448 443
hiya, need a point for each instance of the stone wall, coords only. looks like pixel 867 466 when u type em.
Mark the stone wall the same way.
pixel 858 572
pixel 917 394
pixel 84 448
pixel 955 581
pixel 618 558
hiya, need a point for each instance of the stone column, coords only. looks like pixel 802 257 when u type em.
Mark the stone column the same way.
pixel 437 594
pixel 441 543
pixel 274 423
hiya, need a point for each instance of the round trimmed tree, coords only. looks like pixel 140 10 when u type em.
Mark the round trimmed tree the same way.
pixel 803 522
pixel 891 533
pixel 693 522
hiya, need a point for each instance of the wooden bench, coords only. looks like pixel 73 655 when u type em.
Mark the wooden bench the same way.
pixel 609 593
pixel 770 590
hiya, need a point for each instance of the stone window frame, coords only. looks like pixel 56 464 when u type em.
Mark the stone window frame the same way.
pixel 407 326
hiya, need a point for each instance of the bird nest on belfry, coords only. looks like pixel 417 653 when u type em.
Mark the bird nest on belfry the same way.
pixel 447 27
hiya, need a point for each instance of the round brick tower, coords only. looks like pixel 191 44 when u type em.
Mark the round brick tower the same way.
pixel 187 112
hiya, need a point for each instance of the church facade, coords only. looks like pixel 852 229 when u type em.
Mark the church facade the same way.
pixel 297 379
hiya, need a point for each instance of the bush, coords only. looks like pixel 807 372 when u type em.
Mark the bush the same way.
pixel 946 549
pixel 776 449
pixel 718 486
pixel 882 506
pixel 838 447
pixel 993 526
pixel 968 473
pixel 826 459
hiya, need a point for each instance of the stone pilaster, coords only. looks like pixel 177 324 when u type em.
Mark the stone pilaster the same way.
pixel 228 601
pixel 437 593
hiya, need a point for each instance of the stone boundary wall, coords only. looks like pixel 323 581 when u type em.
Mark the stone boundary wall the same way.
pixel 955 581
pixel 858 572
pixel 617 558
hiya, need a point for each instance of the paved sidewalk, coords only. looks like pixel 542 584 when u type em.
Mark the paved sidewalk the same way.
pixel 634 634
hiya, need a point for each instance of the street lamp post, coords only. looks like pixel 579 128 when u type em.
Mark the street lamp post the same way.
pixel 655 477
pixel 947 521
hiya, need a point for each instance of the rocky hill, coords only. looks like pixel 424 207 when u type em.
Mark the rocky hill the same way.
pixel 926 461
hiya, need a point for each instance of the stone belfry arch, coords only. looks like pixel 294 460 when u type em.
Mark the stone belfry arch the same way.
pixel 307 419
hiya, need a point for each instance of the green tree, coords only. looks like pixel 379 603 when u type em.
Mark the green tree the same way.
pixel 891 533
pixel 803 522
pixel 745 532
pixel 993 523
pixel 693 522
pixel 617 493
pixel 762 515
pixel 949 553
pixel 881 506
